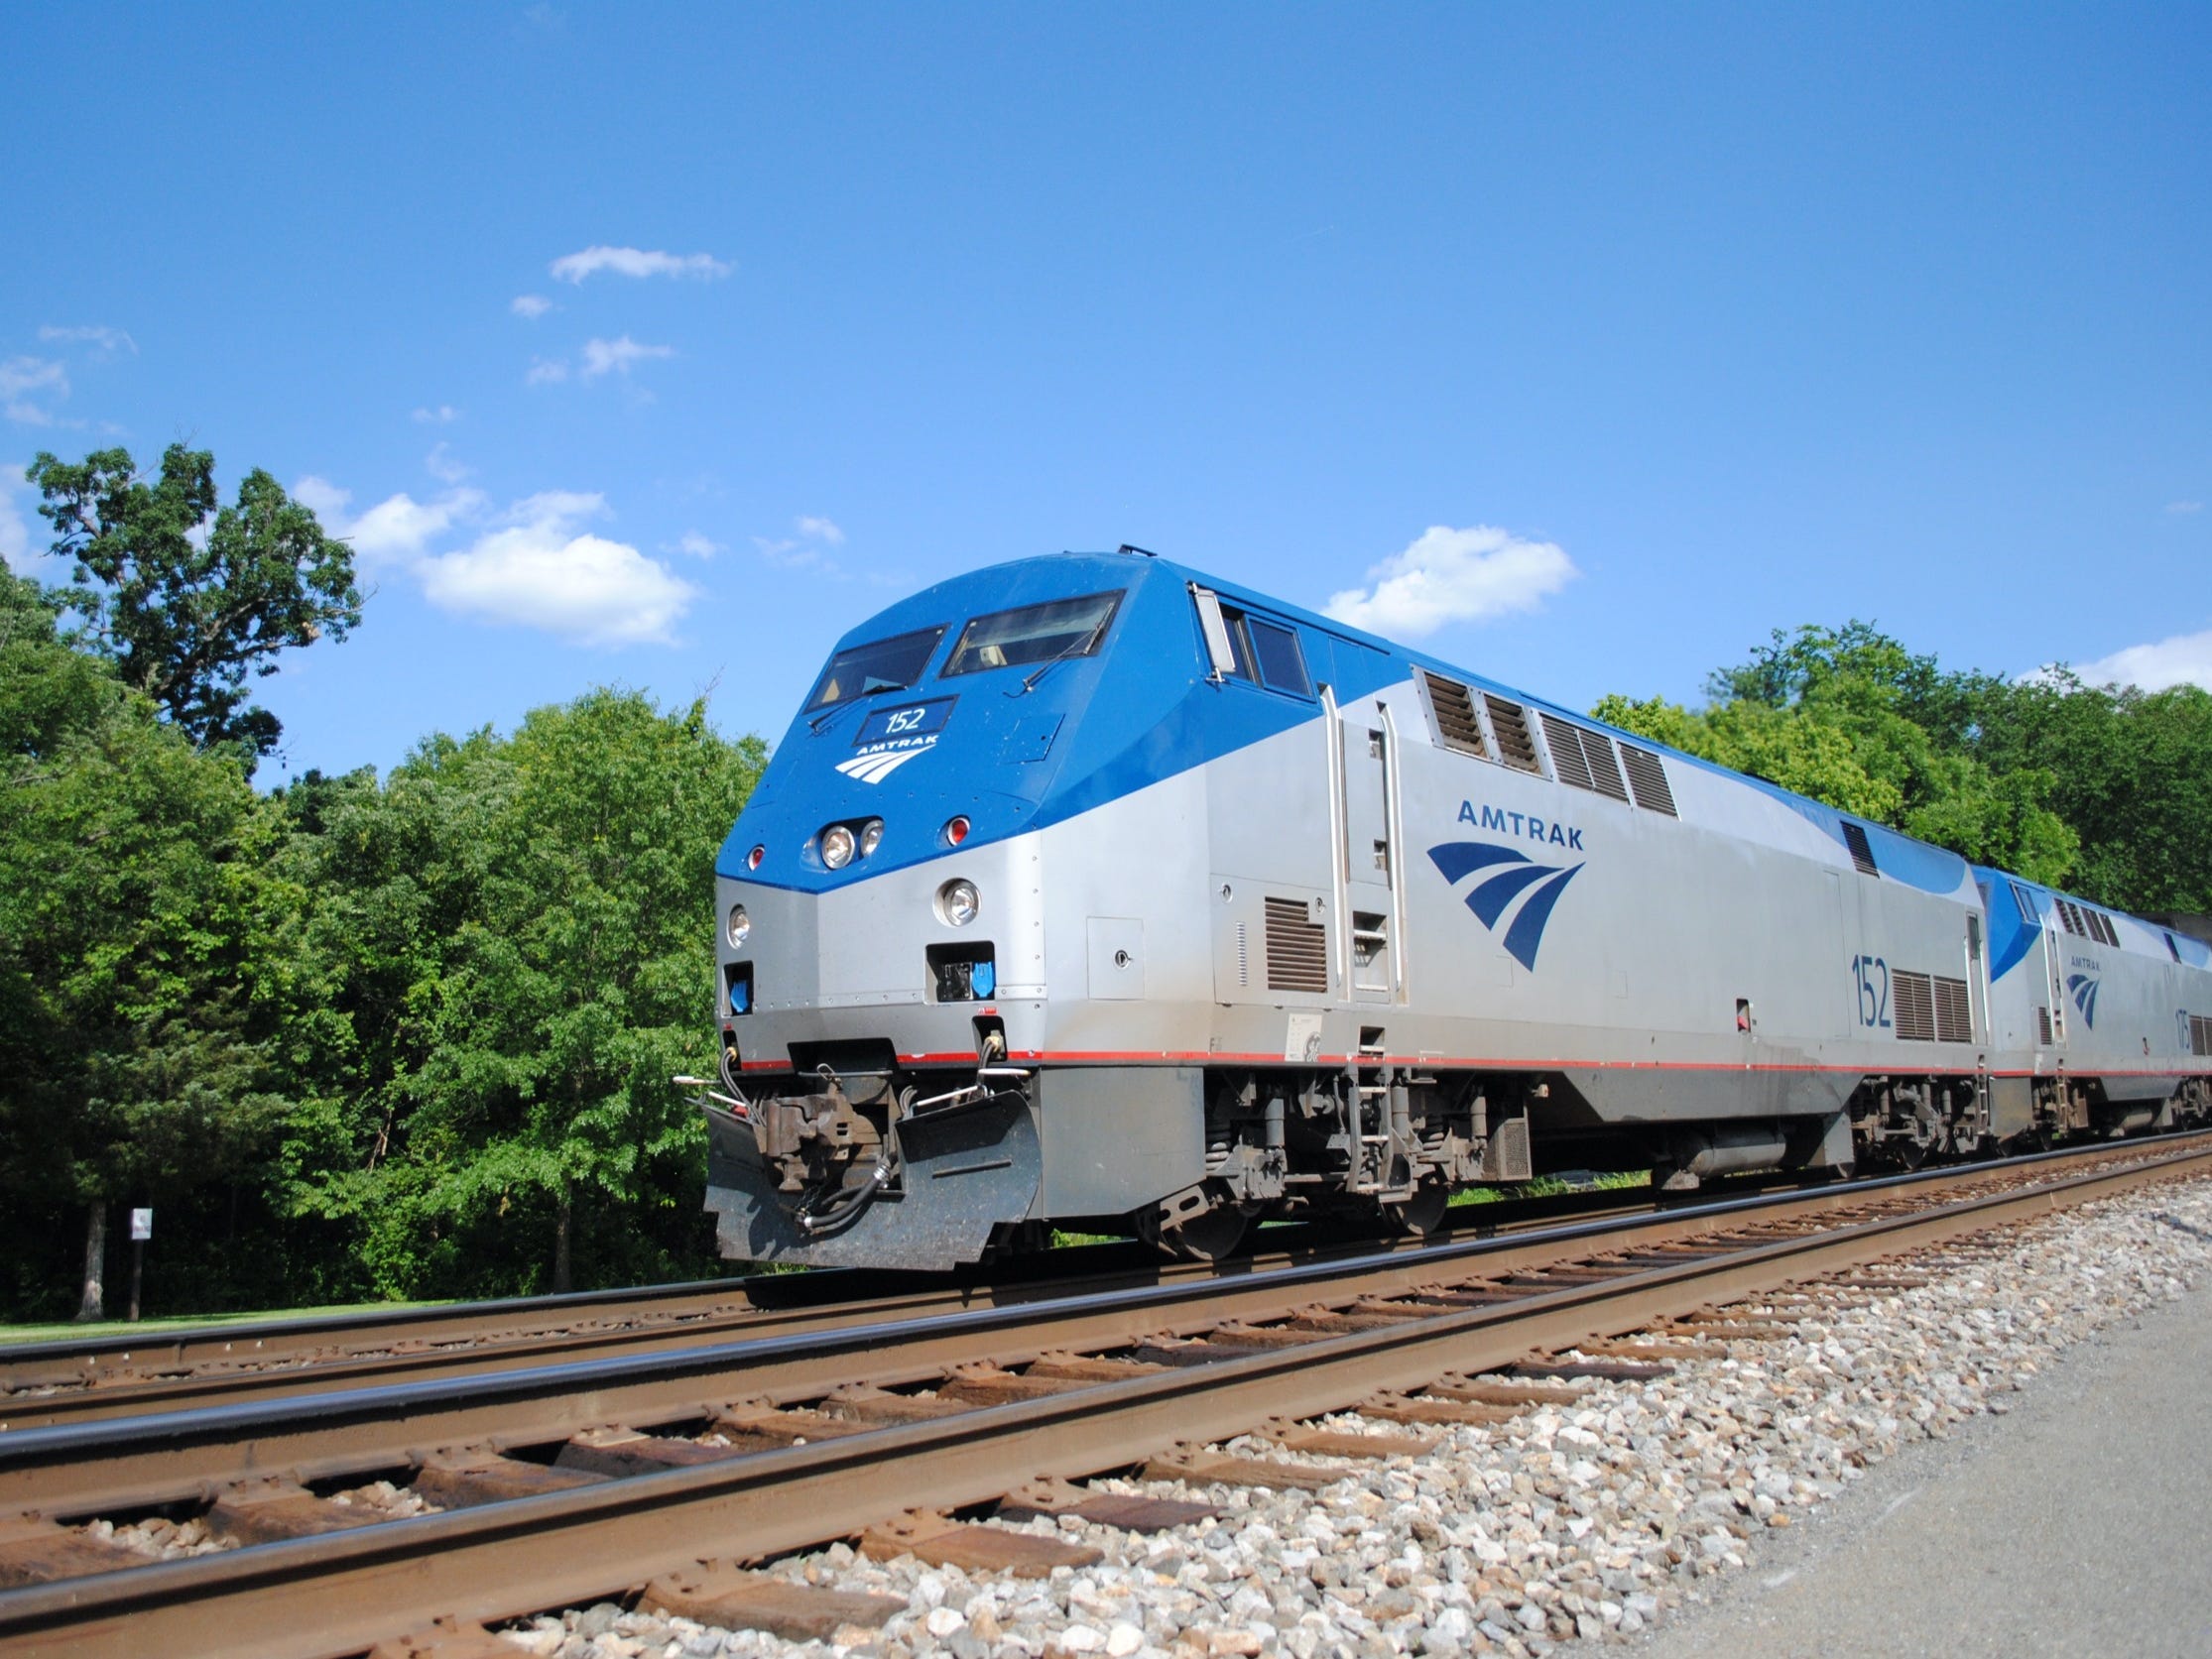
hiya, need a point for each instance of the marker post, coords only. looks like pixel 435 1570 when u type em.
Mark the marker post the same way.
pixel 142 1229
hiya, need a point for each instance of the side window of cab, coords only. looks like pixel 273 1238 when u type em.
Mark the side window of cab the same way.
pixel 1243 645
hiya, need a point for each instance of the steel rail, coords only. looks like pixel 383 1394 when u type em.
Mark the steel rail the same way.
pixel 340 1593
pixel 140 1462
pixel 64 1381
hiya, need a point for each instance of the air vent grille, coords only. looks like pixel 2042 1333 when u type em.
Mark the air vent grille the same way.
pixel 2070 917
pixel 2105 930
pixel 1454 707
pixel 1862 850
pixel 1584 759
pixel 2200 1034
pixel 1515 748
pixel 1605 771
pixel 1298 949
pixel 1647 778
pixel 1567 752
pixel 1954 1019
pixel 1915 1006
pixel 2042 1024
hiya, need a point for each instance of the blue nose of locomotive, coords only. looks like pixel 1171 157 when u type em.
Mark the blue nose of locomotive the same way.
pixel 940 723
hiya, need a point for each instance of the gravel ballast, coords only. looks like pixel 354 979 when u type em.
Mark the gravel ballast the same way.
pixel 1588 1521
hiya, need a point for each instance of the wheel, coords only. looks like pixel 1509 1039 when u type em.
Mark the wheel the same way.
pixel 1422 1213
pixel 1212 1237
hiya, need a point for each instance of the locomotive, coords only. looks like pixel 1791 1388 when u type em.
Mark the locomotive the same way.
pixel 1089 890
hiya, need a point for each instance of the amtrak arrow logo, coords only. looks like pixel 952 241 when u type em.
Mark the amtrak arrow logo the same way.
pixel 873 768
pixel 2084 988
pixel 1511 875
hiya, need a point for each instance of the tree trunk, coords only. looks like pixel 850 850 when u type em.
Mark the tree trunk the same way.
pixel 562 1217
pixel 96 1262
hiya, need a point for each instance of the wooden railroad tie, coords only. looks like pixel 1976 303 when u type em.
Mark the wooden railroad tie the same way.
pixel 269 1511
pixel 35 1549
pixel 724 1595
pixel 1128 1513
pixel 935 1540
pixel 1208 1469
pixel 464 1479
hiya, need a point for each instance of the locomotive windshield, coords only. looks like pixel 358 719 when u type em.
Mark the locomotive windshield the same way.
pixel 1034 634
pixel 880 665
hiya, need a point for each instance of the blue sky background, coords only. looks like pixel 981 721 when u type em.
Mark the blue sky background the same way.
pixel 1586 344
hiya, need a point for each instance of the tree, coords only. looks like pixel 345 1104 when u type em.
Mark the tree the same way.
pixel 2132 774
pixel 522 932
pixel 134 939
pixel 191 598
pixel 1848 716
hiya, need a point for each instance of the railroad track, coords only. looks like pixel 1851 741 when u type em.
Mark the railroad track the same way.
pixel 568 1482
pixel 80 1382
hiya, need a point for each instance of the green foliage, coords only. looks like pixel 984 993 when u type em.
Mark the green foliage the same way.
pixel 190 598
pixel 2132 776
pixel 137 935
pixel 1850 717
pixel 518 936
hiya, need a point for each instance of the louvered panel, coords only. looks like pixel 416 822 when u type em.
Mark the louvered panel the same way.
pixel 2042 1024
pixel 1954 1021
pixel 1862 850
pixel 1647 778
pixel 1454 708
pixel 1510 726
pixel 1298 949
pixel 2070 917
pixel 1567 752
pixel 1915 1006
pixel 1605 771
pixel 2200 1034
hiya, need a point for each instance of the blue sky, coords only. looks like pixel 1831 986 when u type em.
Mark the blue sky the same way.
pixel 659 346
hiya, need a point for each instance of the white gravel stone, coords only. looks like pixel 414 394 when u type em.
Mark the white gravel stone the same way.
pixel 1582 1524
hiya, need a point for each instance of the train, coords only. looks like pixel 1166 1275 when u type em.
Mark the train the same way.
pixel 1092 892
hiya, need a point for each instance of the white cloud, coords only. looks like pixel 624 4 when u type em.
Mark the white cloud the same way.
pixel 2180 507
pixel 547 370
pixel 530 305
pixel 106 342
pixel 2184 659
pixel 615 356
pixel 397 530
pixel 697 545
pixel 542 569
pixel 15 534
pixel 23 375
pixel 635 262
pixel 535 564
pixel 440 465
pixel 1453 575
pixel 805 550
pixel 443 416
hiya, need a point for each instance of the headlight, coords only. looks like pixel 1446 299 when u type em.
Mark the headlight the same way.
pixel 871 836
pixel 959 902
pixel 740 926
pixel 837 846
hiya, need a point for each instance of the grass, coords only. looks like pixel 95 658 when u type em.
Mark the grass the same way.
pixel 1547 1186
pixel 70 1330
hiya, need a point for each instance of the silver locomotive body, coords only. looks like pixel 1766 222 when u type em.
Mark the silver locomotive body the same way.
pixel 1193 908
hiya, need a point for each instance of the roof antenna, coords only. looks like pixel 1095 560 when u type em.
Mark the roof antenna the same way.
pixel 1128 547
